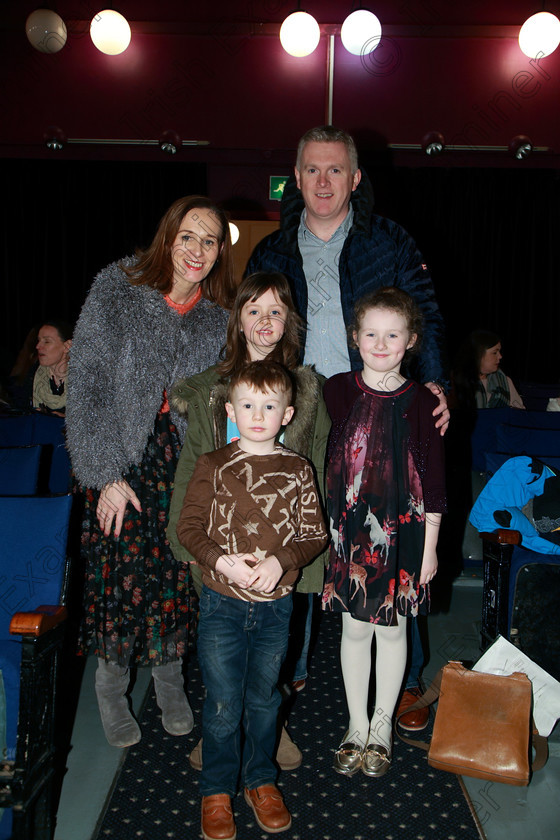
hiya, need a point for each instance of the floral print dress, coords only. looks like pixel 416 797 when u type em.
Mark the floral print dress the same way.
pixel 136 601
pixel 376 512
pixel 136 593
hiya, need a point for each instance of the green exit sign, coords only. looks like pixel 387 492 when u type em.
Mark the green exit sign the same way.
pixel 276 187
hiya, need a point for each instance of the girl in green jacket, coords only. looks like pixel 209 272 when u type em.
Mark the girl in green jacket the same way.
pixel 263 324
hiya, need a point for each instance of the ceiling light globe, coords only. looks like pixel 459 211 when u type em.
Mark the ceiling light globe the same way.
pixel 300 34
pixel 46 31
pixel 361 32
pixel 110 32
pixel 540 35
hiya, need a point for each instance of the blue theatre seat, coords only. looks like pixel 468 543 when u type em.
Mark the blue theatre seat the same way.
pixel 19 470
pixel 45 430
pixel 33 570
pixel 521 567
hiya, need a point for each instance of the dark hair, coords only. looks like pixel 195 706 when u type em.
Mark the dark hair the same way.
pixel 466 369
pixel 154 267
pixel 263 376
pixel 288 349
pixel 389 297
pixel 328 134
pixel 63 329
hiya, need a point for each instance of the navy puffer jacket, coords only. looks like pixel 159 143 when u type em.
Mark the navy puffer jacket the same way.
pixel 377 253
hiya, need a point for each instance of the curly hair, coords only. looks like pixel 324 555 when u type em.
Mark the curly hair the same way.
pixel 395 300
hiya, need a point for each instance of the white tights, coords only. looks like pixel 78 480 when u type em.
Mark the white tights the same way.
pixel 390 663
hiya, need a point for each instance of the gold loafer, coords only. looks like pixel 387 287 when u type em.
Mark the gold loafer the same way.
pixel 376 760
pixel 348 758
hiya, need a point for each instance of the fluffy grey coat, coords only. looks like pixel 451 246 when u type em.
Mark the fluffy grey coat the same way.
pixel 129 346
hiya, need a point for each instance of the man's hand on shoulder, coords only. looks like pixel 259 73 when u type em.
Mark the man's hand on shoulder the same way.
pixel 441 412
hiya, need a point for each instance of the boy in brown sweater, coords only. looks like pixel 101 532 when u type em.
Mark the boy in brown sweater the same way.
pixel 252 518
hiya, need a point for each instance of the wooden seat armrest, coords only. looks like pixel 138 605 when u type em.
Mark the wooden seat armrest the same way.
pixel 502 537
pixel 37 622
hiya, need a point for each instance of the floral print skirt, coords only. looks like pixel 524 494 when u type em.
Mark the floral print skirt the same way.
pixel 136 593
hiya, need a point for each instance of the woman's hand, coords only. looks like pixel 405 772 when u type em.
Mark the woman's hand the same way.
pixel 112 503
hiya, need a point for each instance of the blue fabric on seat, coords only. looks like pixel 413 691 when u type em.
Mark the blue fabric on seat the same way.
pixel 32 564
pixel 16 431
pixel 519 440
pixel 483 436
pixel 27 429
pixel 534 419
pixel 61 470
pixel 19 470
pixel 47 429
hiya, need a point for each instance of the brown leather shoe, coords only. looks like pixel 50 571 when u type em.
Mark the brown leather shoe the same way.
pixel 268 807
pixel 416 720
pixel 217 821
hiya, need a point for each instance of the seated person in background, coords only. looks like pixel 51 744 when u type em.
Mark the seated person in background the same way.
pixel 49 384
pixel 252 518
pixel 477 378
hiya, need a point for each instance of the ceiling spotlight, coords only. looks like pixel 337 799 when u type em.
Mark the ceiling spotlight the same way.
pixel 110 32
pixel 361 32
pixel 520 147
pixel 54 138
pixel 300 34
pixel 170 142
pixel 46 31
pixel 433 143
pixel 540 35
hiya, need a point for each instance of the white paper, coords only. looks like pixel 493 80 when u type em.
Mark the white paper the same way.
pixel 504 658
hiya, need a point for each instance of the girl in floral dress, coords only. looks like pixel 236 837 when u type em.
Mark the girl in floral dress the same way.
pixel 386 494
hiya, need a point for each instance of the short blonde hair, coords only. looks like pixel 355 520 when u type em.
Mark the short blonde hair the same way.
pixel 328 134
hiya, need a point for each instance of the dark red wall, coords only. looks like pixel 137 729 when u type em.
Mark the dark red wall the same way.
pixel 207 73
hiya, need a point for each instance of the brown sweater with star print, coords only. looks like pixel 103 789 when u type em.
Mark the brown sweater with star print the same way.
pixel 237 503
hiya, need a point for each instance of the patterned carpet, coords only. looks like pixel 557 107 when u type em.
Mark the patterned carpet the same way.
pixel 156 793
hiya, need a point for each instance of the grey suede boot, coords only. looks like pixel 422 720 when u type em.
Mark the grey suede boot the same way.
pixel 111 684
pixel 176 715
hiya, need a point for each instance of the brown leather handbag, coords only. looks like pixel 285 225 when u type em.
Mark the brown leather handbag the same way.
pixel 482 726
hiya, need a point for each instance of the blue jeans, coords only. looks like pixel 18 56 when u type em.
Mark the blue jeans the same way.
pixel 416 655
pixel 241 647
pixel 304 604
